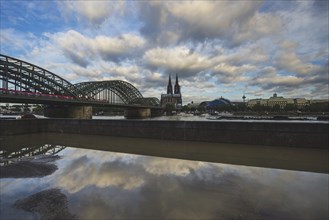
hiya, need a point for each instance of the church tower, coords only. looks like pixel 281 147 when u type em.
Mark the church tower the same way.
pixel 169 87
pixel 177 87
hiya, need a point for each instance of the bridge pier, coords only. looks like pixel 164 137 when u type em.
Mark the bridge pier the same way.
pixel 137 113
pixel 156 112
pixel 59 111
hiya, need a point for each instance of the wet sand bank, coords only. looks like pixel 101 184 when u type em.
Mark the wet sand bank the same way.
pixel 49 204
pixel 302 159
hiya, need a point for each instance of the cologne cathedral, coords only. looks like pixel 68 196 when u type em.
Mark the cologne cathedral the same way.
pixel 172 97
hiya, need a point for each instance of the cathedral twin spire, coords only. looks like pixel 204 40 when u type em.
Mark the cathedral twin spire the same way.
pixel 173 96
pixel 169 87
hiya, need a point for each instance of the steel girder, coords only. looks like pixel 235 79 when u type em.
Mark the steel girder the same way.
pixel 124 90
pixel 152 101
pixel 29 77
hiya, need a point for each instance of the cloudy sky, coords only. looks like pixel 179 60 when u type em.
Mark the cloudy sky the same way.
pixel 217 48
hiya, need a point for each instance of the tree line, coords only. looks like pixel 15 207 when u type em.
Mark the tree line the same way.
pixel 242 107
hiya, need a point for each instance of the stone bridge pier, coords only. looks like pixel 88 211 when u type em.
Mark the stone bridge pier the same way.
pixel 137 113
pixel 60 111
pixel 141 113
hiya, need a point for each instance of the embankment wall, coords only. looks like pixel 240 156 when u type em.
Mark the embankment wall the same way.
pixel 291 134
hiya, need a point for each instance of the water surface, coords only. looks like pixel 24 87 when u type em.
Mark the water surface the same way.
pixel 107 185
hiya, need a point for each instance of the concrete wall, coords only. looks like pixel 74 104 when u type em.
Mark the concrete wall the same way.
pixel 314 135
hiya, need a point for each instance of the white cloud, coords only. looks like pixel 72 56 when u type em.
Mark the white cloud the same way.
pixel 176 60
pixel 289 61
pixel 14 40
pixel 129 73
pixel 166 166
pixel 213 17
pixel 232 74
pixel 82 49
pixel 84 170
pixel 93 11
pixel 268 78
pixel 123 45
pixel 281 80
pixel 260 25
pixel 251 54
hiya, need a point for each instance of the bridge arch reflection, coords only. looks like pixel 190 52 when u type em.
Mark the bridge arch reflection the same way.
pixel 28 153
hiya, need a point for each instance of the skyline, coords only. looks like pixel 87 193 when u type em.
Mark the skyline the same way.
pixel 217 48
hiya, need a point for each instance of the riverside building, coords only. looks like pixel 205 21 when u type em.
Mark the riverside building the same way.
pixel 276 100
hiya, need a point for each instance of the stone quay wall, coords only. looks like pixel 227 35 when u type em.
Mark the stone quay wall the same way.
pixel 288 134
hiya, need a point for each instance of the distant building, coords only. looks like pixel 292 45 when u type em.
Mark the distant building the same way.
pixel 252 102
pixel 172 97
pixel 218 102
pixel 275 100
pixel 301 103
pixel 210 105
pixel 279 100
pixel 215 104
pixel 314 101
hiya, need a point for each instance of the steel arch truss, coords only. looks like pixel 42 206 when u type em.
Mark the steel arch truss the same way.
pixel 18 75
pixel 31 78
pixel 124 90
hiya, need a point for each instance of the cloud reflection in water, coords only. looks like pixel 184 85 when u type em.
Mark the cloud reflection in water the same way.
pixel 106 185
pixel 87 172
pixel 114 185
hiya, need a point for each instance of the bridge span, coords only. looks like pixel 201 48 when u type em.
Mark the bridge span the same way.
pixel 23 82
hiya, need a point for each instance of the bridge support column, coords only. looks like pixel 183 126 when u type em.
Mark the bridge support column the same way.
pixel 137 113
pixel 79 112
pixel 156 112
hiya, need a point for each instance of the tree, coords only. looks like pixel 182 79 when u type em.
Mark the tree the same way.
pixel 185 108
pixel 26 108
pixel 257 108
pixel 276 108
pixel 169 108
pixel 241 107
pixel 16 108
pixel 319 107
pixel 223 107
pixel 38 109
pixel 201 108
pixel 290 107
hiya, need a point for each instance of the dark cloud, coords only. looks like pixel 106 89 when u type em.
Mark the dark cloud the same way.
pixel 151 18
pixel 178 22
pixel 321 5
pixel 75 58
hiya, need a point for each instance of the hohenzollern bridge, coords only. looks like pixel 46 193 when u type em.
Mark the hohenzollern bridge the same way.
pixel 23 82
